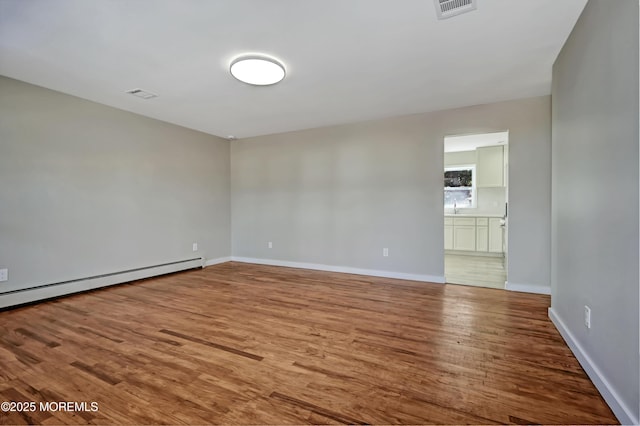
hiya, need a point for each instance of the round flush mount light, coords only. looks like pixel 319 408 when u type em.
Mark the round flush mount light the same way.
pixel 257 70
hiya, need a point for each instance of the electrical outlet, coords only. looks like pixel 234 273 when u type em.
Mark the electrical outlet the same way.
pixel 195 246
pixel 4 274
pixel 385 252
pixel 270 244
pixel 587 316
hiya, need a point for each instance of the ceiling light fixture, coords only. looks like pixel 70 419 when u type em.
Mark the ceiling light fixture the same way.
pixel 257 70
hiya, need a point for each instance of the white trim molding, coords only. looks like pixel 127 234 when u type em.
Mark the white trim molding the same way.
pixel 527 288
pixel 344 269
pixel 622 412
pixel 216 261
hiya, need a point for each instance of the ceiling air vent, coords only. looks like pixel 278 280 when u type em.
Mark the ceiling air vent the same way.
pixel 448 8
pixel 142 93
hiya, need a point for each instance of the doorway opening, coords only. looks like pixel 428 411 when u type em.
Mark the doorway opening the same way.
pixel 476 199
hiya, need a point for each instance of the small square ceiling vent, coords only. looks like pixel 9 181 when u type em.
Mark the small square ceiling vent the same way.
pixel 449 8
pixel 142 93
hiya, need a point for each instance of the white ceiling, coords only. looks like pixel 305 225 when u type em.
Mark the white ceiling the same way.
pixel 347 60
pixel 471 142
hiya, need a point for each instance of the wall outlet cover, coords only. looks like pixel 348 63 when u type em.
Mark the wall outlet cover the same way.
pixel 587 316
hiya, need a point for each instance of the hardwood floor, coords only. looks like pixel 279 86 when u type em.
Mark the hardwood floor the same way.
pixel 479 271
pixel 247 344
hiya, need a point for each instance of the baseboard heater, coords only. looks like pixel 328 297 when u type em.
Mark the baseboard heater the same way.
pixel 48 291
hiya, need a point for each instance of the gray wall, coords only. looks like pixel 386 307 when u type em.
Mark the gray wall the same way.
pixel 87 189
pixel 595 190
pixel 338 195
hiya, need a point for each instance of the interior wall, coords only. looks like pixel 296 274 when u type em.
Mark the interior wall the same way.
pixel 338 195
pixel 490 201
pixel 87 189
pixel 595 199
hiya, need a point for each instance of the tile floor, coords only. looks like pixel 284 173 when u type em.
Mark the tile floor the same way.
pixel 478 271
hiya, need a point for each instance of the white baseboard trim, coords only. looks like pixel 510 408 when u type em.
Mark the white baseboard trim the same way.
pixel 527 288
pixel 622 412
pixel 212 262
pixel 343 269
pixel 19 297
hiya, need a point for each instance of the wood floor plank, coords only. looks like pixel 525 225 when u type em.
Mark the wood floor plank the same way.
pixel 341 418
pixel 249 344
pixel 212 344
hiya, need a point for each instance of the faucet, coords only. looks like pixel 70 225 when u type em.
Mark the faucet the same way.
pixel 455 208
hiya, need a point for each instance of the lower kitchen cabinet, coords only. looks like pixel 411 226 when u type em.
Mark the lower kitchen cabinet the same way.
pixel 448 235
pixel 464 233
pixel 474 234
pixel 482 238
pixel 495 235
pixel 464 238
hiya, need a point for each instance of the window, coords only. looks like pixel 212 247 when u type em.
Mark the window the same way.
pixel 460 187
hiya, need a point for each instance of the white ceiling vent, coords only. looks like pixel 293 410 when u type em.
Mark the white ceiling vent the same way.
pixel 448 8
pixel 142 93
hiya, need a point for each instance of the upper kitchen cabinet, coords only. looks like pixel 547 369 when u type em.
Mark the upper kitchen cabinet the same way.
pixel 490 167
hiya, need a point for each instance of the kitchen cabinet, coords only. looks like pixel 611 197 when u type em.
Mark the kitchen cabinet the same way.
pixel 490 167
pixel 473 234
pixel 448 233
pixel 482 234
pixel 464 238
pixel 464 233
pixel 495 235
